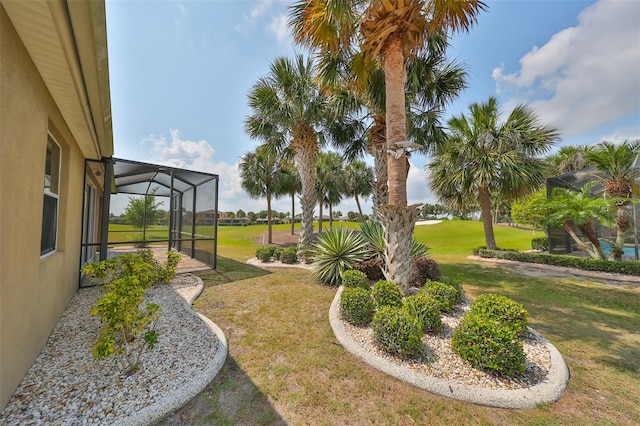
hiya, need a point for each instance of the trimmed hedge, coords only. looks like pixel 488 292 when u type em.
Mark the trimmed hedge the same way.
pixel 502 309
pixel 444 295
pixel 424 309
pixel 353 278
pixel 540 243
pixel 386 293
pixel 626 267
pixel 397 332
pixel 487 343
pixel 289 255
pixel 264 254
pixel 356 306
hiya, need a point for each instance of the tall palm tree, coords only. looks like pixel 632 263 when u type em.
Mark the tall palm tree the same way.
pixel 617 163
pixel 290 185
pixel 569 158
pixel 580 208
pixel 329 184
pixel 482 157
pixel 261 174
pixel 288 109
pixel 388 31
pixel 358 182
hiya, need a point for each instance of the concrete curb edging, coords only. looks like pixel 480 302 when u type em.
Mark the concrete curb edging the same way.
pixel 178 398
pixel 548 391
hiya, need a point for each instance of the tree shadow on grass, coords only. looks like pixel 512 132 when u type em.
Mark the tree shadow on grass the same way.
pixel 228 271
pixel 230 399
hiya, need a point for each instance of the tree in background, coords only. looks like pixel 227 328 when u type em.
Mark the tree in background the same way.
pixel 329 183
pixel 617 163
pixel 568 159
pixel 358 182
pixel 241 213
pixel 143 212
pixel 525 211
pixel 483 158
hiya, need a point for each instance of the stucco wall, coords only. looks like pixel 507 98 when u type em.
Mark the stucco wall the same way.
pixel 34 291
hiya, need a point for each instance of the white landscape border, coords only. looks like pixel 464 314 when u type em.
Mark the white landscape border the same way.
pixel 548 391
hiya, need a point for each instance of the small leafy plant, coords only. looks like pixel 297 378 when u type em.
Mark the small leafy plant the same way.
pixel 353 278
pixel 397 332
pixel 264 254
pixel 422 269
pixel 289 255
pixel 386 293
pixel 444 295
pixel 424 309
pixel 356 306
pixel 502 309
pixel 127 326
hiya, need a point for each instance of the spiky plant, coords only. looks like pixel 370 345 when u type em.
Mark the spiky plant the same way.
pixel 336 251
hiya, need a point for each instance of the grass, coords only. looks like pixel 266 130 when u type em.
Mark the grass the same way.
pixel 285 366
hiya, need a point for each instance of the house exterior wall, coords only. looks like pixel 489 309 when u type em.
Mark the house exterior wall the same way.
pixel 34 291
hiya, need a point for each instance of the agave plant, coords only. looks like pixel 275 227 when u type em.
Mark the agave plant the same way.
pixel 374 235
pixel 336 251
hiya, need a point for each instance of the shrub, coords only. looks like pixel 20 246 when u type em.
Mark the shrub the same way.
pixel 397 332
pixel 277 252
pixel 289 255
pixel 501 309
pixel 353 278
pixel 626 267
pixel 424 309
pixel 264 254
pixel 372 268
pixel 386 293
pixel 540 243
pixel 456 282
pixel 423 269
pixel 444 295
pixel 356 306
pixel 336 251
pixel 128 326
pixel 487 343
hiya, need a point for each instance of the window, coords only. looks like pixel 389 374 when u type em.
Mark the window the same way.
pixel 51 194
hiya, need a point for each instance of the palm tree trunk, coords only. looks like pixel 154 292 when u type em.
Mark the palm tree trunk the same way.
pixel 622 223
pixel 396 121
pixel 487 217
pixel 378 149
pixel 293 212
pixel 305 148
pixel 397 223
pixel 270 232
pixel 358 204
pixel 595 251
pixel 330 216
pixel 320 218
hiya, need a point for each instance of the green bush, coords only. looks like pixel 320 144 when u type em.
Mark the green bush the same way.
pixel 444 295
pixel 277 252
pixel 386 293
pixel 424 309
pixel 397 332
pixel 372 268
pixel 540 243
pixel 289 255
pixel 356 306
pixel 456 282
pixel 264 254
pixel 626 267
pixel 423 269
pixel 336 251
pixel 353 278
pixel 501 309
pixel 489 344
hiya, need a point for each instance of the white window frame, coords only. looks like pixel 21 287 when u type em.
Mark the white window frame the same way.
pixel 52 190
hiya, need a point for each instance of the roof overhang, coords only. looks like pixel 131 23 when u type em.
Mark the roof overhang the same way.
pixel 67 42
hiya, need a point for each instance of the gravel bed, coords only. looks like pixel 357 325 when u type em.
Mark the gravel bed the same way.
pixel 441 362
pixel 66 386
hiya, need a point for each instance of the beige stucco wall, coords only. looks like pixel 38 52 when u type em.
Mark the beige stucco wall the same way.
pixel 34 291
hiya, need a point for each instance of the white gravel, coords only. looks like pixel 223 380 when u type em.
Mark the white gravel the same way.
pixel 442 372
pixel 66 386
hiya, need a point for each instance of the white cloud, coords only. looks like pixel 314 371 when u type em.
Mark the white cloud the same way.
pixel 618 136
pixel 584 76
pixel 279 27
pixel 260 9
pixel 417 186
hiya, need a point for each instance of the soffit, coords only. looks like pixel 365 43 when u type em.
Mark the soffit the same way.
pixel 76 74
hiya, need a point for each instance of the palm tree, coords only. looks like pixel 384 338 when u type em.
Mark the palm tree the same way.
pixel 388 31
pixel 568 159
pixel 617 163
pixel 290 185
pixel 261 174
pixel 288 107
pixel 482 157
pixel 580 208
pixel 329 184
pixel 359 182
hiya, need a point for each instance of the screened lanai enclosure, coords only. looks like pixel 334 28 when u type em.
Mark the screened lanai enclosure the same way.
pixel 559 239
pixel 188 199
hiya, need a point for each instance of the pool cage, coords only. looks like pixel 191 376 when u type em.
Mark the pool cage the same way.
pixel 190 226
pixel 559 239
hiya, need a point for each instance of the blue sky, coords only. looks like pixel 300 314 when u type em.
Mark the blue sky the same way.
pixel 180 72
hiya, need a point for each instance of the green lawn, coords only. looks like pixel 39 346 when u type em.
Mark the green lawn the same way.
pixel 285 366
